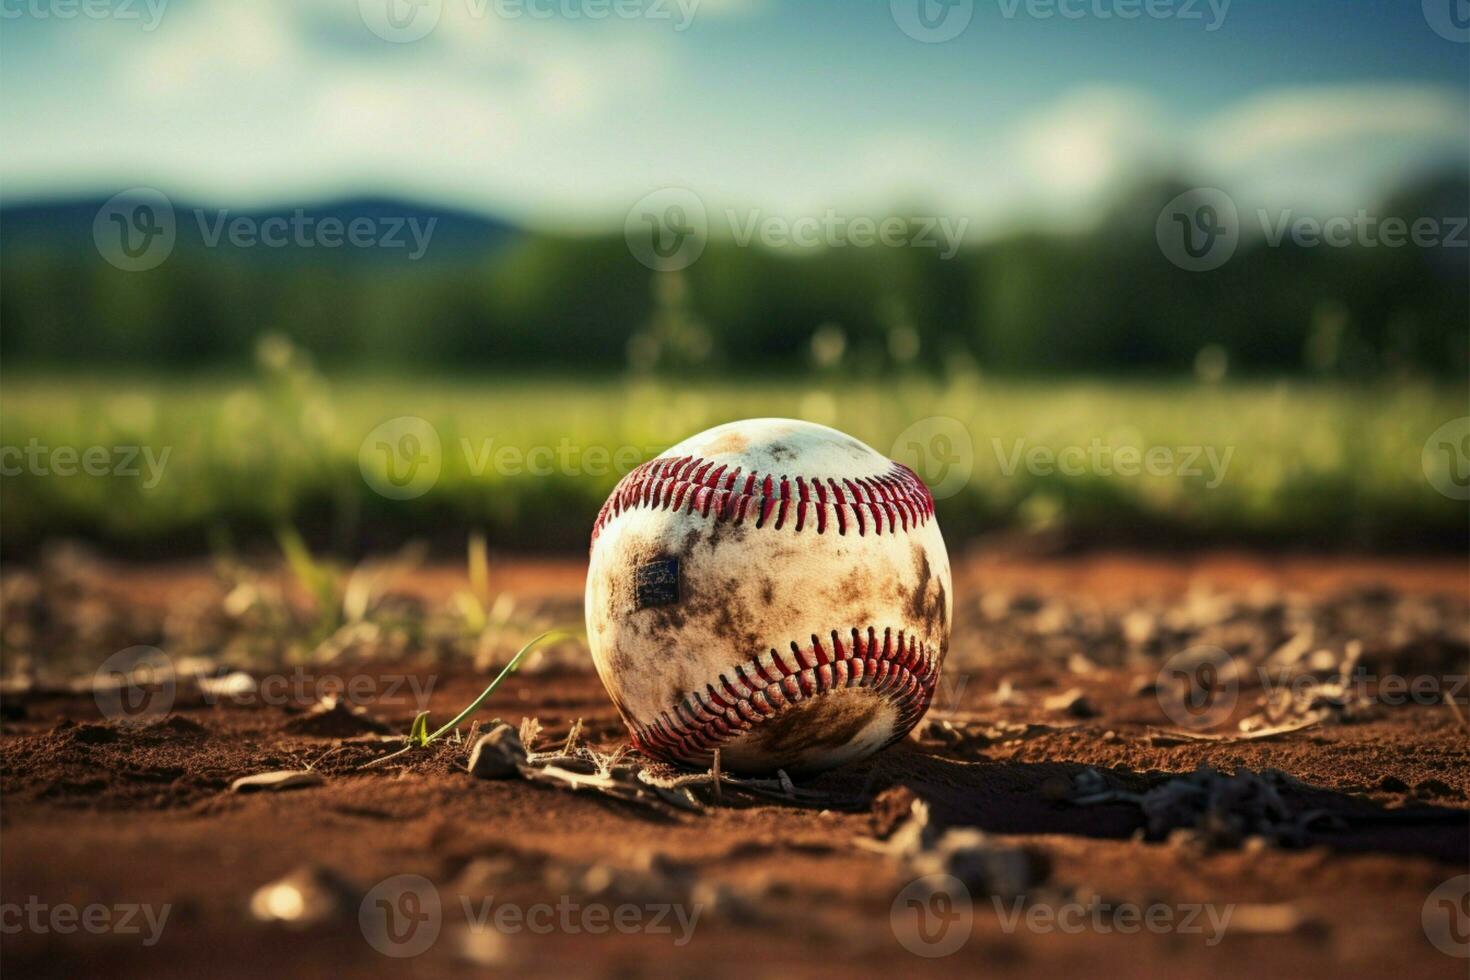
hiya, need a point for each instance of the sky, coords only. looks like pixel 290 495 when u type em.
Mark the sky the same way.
pixel 1006 112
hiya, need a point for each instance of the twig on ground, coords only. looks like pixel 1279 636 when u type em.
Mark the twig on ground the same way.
pixel 1449 699
pixel 1162 736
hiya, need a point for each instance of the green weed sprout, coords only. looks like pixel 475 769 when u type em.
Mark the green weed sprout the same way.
pixel 418 734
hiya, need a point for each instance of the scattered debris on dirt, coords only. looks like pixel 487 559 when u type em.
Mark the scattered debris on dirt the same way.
pixel 1211 809
pixel 241 617
pixel 984 865
pixel 1375 791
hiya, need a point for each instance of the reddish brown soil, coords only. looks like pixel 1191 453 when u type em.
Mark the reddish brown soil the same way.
pixel 100 813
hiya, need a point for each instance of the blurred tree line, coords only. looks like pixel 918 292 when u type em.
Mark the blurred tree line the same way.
pixel 1107 301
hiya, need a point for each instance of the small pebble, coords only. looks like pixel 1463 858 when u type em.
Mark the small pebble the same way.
pixel 1073 703
pixel 274 782
pixel 498 754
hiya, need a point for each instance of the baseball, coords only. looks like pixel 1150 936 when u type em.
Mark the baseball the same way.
pixel 773 589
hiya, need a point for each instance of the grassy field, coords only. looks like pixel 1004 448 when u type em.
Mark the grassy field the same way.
pixel 530 461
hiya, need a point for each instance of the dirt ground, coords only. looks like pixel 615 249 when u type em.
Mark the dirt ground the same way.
pixel 1314 850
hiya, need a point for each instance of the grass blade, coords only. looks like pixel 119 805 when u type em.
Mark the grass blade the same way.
pixel 504 673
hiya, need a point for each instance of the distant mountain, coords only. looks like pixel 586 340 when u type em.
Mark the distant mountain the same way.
pixel 365 229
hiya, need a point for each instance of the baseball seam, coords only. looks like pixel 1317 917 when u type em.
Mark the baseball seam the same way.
pixel 692 483
pixel 904 671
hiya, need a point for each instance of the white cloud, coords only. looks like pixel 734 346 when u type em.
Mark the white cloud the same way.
pixel 1288 120
pixel 1087 143
pixel 274 99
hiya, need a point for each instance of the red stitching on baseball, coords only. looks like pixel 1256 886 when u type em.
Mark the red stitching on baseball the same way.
pixel 904 671
pixel 897 498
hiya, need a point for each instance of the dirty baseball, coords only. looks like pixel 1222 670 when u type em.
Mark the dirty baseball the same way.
pixel 772 589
